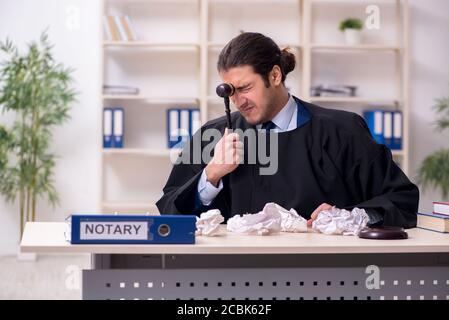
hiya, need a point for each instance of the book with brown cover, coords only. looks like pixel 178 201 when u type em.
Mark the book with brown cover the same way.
pixel 434 222
pixel 113 28
pixel 127 29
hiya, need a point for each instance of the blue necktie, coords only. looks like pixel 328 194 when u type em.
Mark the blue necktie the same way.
pixel 269 125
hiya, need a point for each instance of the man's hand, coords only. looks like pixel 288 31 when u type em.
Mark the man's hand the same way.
pixel 323 206
pixel 228 153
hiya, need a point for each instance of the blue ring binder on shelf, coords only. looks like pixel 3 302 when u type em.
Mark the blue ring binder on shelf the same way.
pixel 182 125
pixel 132 229
pixel 118 127
pixel 108 126
pixel 113 127
pixel 385 127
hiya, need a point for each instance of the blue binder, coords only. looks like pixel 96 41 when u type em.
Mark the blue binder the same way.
pixel 132 229
pixel 107 127
pixel 184 126
pixel 375 122
pixel 397 131
pixel 195 121
pixel 173 119
pixel 118 127
pixel 388 128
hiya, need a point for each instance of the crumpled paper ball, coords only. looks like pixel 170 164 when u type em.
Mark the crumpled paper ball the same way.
pixel 273 218
pixel 208 223
pixel 341 221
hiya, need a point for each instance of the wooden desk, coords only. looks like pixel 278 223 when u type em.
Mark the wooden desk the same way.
pixel 285 265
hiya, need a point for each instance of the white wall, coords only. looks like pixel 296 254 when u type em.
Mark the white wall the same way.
pixel 77 142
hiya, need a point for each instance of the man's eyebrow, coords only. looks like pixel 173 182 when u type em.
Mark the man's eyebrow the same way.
pixel 244 86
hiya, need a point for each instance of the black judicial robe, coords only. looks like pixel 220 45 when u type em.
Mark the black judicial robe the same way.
pixel 332 158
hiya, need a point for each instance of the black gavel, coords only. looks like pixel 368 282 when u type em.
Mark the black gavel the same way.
pixel 226 90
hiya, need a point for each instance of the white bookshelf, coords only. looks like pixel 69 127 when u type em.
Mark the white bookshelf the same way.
pixel 173 63
pixel 379 65
pixel 154 100
pixel 353 100
pixel 359 48
pixel 151 152
pixel 152 45
pixel 164 64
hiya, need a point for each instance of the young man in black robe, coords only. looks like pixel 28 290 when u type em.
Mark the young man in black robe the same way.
pixel 322 157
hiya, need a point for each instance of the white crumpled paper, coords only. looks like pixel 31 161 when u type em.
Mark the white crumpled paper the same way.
pixel 208 223
pixel 291 221
pixel 341 221
pixel 273 218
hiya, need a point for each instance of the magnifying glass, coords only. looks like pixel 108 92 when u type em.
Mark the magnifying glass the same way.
pixel 226 90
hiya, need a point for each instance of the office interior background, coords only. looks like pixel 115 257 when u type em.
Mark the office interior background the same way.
pixel 173 64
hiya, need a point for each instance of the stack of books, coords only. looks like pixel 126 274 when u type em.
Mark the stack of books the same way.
pixel 438 220
pixel 119 28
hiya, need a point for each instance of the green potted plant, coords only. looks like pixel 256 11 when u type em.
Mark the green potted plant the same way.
pixel 351 27
pixel 37 91
pixel 434 170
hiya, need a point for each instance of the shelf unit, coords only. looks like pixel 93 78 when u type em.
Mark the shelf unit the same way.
pixel 379 64
pixel 151 46
pixel 164 63
pixel 174 65
pixel 360 48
